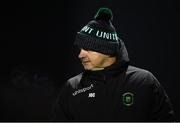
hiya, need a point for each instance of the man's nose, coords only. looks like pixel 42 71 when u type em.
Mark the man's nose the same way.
pixel 82 53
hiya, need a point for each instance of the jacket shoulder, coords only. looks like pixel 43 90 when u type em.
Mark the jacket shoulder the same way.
pixel 138 75
pixel 133 69
pixel 74 81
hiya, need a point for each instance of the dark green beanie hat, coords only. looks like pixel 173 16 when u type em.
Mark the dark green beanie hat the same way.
pixel 99 34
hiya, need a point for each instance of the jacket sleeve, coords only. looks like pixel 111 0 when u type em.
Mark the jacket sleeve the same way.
pixel 61 109
pixel 161 107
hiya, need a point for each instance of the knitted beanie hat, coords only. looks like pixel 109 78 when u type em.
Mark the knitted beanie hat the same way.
pixel 99 34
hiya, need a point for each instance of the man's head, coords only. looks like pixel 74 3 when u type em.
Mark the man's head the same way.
pixel 92 60
pixel 100 38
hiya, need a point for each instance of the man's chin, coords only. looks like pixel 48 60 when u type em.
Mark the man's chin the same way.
pixel 86 67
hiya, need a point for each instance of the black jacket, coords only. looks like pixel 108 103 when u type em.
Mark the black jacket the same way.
pixel 118 93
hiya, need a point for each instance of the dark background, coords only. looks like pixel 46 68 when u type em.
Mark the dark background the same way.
pixel 37 39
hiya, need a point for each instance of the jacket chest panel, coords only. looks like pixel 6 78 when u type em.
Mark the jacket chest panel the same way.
pixel 96 103
pixel 103 103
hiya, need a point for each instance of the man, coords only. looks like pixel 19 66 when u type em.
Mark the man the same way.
pixel 109 89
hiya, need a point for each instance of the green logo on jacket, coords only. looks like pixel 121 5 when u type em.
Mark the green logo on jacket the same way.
pixel 128 98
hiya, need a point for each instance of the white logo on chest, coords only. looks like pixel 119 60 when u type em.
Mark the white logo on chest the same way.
pixel 82 90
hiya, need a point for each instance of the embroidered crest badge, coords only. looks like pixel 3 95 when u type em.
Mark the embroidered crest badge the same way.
pixel 128 98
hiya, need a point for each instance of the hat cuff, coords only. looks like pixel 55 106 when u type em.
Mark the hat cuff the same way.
pixel 96 44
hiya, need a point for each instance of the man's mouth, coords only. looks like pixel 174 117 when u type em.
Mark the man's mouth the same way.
pixel 85 61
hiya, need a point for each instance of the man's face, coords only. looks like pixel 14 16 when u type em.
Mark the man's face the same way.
pixel 92 60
